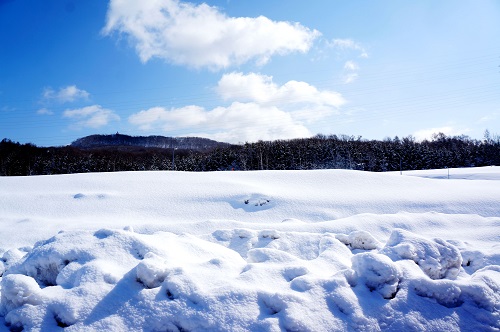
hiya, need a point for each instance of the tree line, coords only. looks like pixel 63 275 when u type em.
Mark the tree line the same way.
pixel 318 152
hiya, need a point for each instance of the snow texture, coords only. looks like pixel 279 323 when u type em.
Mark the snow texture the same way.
pixel 437 258
pixel 388 262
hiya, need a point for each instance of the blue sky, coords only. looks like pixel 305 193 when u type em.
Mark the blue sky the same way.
pixel 240 71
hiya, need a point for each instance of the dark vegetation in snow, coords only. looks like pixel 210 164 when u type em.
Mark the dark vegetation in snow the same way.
pixel 109 153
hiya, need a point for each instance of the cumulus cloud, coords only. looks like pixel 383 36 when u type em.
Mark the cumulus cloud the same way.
pixel 91 116
pixel 160 117
pixel 200 35
pixel 238 122
pixel 64 95
pixel 259 109
pixel 261 89
pixel 302 100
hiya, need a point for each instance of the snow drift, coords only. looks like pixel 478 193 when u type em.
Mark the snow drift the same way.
pixel 258 251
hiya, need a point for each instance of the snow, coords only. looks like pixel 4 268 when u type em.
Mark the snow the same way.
pixel 438 259
pixel 326 250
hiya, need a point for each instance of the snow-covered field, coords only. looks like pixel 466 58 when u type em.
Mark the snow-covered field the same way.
pixel 326 250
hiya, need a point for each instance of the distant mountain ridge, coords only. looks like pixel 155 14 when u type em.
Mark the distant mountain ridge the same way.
pixel 161 142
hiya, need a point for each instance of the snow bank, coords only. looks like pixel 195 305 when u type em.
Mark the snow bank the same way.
pixel 161 199
pixel 438 259
pixel 111 279
pixel 257 251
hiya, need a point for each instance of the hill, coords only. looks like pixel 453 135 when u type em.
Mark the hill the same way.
pixel 162 142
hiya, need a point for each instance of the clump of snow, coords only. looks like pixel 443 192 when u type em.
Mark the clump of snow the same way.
pixel 17 290
pixel 478 293
pixel 10 257
pixel 359 240
pixel 152 270
pixel 377 272
pixel 437 258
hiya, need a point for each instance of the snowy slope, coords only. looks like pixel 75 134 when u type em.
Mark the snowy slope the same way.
pixel 318 250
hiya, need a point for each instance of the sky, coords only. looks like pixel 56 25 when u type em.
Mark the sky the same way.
pixel 243 71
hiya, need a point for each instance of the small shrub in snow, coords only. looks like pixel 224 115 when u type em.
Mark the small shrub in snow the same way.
pixel 359 240
pixel 438 259
pixel 377 272
pixel 128 229
pixel 244 233
pixel 269 234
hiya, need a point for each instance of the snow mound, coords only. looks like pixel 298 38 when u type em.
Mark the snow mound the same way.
pixel 437 258
pixel 377 272
pixel 359 240
pixel 480 290
pixel 325 250
pixel 241 280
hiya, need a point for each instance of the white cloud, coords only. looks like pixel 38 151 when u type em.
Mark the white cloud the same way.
pixel 349 77
pixel 426 134
pixel 348 44
pixel 44 111
pixel 351 65
pixel 261 89
pixel 259 109
pixel 159 117
pixel 65 95
pixel 200 35
pixel 239 122
pixel 91 116
pixel 350 73
pixel 348 48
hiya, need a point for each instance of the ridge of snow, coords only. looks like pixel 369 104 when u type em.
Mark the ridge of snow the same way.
pixel 244 251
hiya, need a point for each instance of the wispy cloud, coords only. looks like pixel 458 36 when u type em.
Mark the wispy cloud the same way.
pixel 258 109
pixel 350 73
pixel 487 118
pixel 44 111
pixel 426 134
pixel 351 65
pixel 348 44
pixel 94 116
pixel 8 109
pixel 201 36
pixel 65 95
pixel 348 49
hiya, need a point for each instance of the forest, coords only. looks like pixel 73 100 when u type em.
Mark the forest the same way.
pixel 318 152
